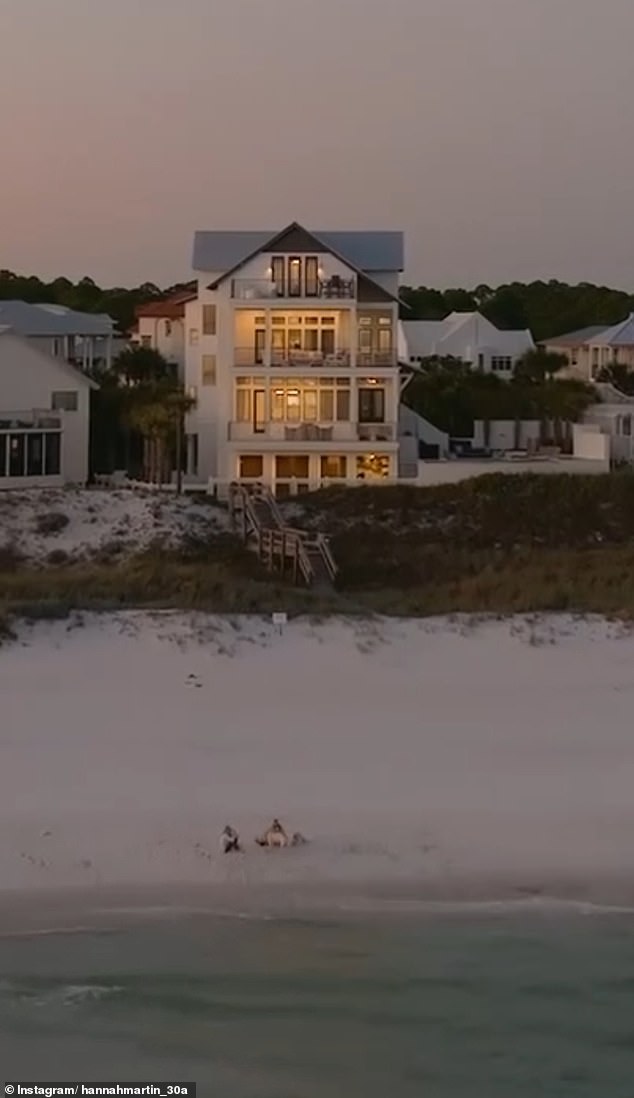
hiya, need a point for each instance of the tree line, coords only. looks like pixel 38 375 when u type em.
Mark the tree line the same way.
pixel 546 308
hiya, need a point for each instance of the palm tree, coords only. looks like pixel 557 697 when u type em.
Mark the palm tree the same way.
pixel 157 412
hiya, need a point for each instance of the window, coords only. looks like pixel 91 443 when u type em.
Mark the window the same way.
pixel 34 454
pixel 502 364
pixel 326 405
pixel 291 465
pixel 146 341
pixel 311 339
pixel 343 405
pixel 251 465
pixel 16 455
pixel 327 341
pixel 52 453
pixel 627 425
pixel 371 405
pixel 243 405
pixel 168 328
pixel 293 406
pixel 209 320
pixel 294 276
pixel 309 407
pixel 193 337
pixel 65 401
pixel 278 274
pixel 30 453
pixel 312 276
pixel 208 369
pixel 333 466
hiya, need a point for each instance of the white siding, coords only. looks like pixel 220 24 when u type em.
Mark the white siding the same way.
pixel 28 378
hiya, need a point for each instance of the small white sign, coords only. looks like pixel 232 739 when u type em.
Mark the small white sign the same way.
pixel 280 620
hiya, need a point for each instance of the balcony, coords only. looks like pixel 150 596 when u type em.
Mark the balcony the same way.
pixel 296 360
pixel 337 433
pixel 334 288
pixel 376 358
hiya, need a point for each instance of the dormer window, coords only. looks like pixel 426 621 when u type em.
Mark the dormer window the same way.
pixel 295 276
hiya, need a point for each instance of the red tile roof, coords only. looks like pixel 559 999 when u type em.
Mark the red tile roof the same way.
pixel 172 307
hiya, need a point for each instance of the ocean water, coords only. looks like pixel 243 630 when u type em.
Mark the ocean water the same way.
pixel 436 1006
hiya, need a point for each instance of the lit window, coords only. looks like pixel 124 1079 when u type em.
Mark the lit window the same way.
pixel 251 465
pixel 334 466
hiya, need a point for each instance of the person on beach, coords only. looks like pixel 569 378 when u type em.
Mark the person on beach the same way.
pixel 230 841
pixel 275 835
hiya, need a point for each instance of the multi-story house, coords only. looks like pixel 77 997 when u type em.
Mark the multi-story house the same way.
pixel 590 349
pixel 469 337
pixel 291 356
pixel 161 326
pixel 84 340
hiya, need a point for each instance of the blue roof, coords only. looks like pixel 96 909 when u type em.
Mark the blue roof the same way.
pixel 371 250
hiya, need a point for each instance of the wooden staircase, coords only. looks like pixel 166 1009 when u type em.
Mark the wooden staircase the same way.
pixel 257 519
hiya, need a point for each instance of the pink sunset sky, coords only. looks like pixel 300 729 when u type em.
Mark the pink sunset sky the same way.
pixel 498 134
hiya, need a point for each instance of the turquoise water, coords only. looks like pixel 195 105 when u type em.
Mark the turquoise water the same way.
pixel 441 1008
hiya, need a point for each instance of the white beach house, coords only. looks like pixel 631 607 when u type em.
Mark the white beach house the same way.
pixel 44 416
pixel 589 349
pixel 84 340
pixel 291 354
pixel 160 325
pixel 469 337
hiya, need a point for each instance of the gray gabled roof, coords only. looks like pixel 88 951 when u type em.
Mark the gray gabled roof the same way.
pixel 371 250
pixel 576 339
pixel 52 320
pixel 60 364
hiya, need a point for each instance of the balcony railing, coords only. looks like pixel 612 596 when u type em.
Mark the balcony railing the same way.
pixel 248 356
pixel 342 432
pixel 253 289
pixel 376 432
pixel 376 358
pixel 36 419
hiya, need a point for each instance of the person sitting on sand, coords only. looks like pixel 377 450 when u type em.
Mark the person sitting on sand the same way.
pixel 298 839
pixel 275 835
pixel 230 840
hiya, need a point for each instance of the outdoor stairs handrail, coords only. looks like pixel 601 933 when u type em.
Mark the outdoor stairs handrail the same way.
pixel 278 534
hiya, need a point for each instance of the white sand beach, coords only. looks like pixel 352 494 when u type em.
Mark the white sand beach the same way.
pixel 423 759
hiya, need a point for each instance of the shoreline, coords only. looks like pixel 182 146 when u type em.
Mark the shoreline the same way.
pixel 26 913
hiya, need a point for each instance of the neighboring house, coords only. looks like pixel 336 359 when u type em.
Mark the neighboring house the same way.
pixel 589 349
pixel 44 416
pixel 470 337
pixel 161 326
pixel 81 339
pixel 291 354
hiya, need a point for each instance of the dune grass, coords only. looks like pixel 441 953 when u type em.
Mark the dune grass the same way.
pixel 495 545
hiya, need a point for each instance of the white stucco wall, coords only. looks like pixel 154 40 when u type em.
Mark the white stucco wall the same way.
pixel 28 378
pixel 502 434
pixel 450 472
pixel 172 346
